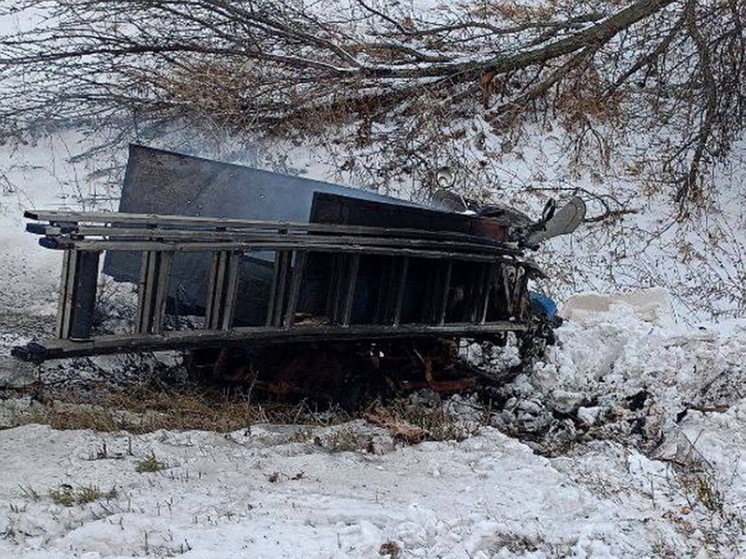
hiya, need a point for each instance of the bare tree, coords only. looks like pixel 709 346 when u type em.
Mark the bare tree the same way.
pixel 396 90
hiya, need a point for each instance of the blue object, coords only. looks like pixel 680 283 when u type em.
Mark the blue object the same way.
pixel 543 303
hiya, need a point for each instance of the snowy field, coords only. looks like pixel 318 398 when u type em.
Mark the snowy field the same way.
pixel 626 441
pixel 672 488
pixel 489 496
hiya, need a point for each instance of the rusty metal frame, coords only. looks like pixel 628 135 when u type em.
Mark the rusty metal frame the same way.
pixel 494 270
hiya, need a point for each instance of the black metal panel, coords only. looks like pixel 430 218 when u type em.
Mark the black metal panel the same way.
pixel 81 295
pixel 423 294
pixel 168 183
pixel 345 210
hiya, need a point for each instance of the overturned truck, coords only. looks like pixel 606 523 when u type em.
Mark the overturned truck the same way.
pixel 256 258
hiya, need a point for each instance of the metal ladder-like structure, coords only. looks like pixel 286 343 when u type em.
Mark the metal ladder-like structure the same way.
pixel 493 276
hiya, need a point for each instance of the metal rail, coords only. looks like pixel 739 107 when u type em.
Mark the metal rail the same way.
pixel 71 238
pixel 68 222
pixel 58 349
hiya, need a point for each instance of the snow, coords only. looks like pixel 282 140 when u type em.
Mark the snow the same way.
pixel 488 496
pixel 32 177
pixel 625 441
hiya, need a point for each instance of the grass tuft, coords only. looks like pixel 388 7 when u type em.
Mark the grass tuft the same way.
pixel 347 439
pixel 67 495
pixel 150 465
pixel 30 492
pixel 436 422
pixel 392 550
pixel 702 487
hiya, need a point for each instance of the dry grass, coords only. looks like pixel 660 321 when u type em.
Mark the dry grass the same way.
pixel 348 439
pixel 30 492
pixel 67 495
pixel 97 419
pixel 150 465
pixel 702 487
pixel 437 423
pixel 302 435
pixel 145 410
pixel 390 549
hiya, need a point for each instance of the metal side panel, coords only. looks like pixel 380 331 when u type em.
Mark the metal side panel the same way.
pixel 168 183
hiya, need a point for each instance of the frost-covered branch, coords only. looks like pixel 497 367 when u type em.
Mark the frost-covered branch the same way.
pixel 401 82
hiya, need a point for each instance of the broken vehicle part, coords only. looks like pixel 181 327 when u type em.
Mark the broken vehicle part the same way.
pixel 265 258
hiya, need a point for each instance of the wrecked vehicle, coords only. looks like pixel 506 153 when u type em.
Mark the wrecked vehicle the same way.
pixel 257 258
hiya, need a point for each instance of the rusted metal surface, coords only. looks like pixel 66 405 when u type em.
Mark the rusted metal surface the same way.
pixel 185 339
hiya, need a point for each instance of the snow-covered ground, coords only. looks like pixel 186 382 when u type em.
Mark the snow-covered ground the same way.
pixel 253 494
pixel 620 474
pixel 626 441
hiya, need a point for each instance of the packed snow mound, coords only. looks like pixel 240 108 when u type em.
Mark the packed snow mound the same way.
pixel 631 344
pixel 651 305
pixel 624 369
